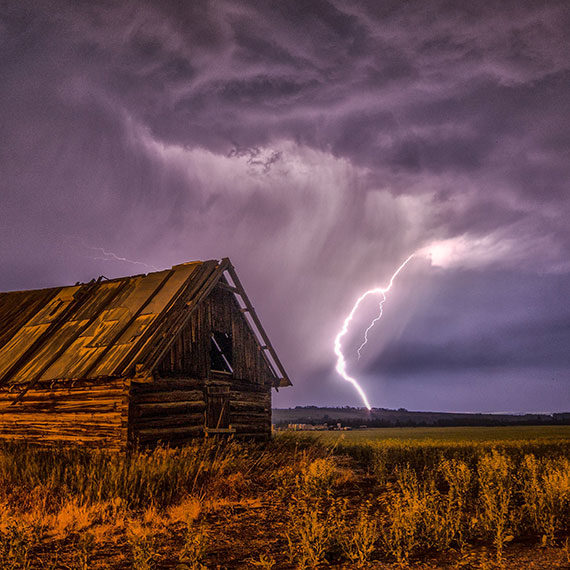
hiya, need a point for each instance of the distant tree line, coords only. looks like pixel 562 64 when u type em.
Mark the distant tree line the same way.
pixel 404 418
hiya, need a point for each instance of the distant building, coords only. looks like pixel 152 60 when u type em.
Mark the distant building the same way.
pixel 308 427
pixel 161 357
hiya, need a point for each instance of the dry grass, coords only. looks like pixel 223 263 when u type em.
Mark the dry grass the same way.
pixel 291 503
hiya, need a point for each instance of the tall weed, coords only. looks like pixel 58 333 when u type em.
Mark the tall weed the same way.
pixel 308 534
pixel 545 489
pixel 494 473
pixel 418 514
pixel 458 477
pixel 193 554
pixel 143 546
pixel 161 476
pixel 358 540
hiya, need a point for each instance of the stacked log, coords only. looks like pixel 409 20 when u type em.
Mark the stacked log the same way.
pixel 167 411
pixel 83 412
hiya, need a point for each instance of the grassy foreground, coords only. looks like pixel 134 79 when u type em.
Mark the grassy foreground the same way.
pixel 441 501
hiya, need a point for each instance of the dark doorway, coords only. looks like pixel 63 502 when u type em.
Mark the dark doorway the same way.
pixel 218 407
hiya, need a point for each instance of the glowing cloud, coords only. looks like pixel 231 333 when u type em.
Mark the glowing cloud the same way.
pixel 468 251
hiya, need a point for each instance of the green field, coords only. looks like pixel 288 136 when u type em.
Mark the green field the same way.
pixel 447 434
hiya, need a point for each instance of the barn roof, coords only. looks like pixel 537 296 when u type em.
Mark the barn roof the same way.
pixel 117 327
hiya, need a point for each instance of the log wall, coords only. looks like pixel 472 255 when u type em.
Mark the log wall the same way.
pixel 250 411
pixel 174 410
pixel 166 410
pixel 89 413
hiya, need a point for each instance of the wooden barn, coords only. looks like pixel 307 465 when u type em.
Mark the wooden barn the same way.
pixel 161 357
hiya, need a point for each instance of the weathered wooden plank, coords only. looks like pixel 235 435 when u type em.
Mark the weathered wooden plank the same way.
pixel 79 433
pixel 251 411
pixel 49 424
pixel 247 405
pixel 33 396
pixel 250 397
pixel 168 396
pixel 248 427
pixel 168 405
pixel 164 385
pixel 104 406
pixel 166 433
pixel 60 417
pixel 168 421
pixel 49 402
pixel 41 438
pixel 103 398
pixel 102 440
pixel 160 411
pixel 64 418
pixel 258 402
pixel 239 427
pixel 253 417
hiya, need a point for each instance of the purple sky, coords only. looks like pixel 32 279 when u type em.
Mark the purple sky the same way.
pixel 317 144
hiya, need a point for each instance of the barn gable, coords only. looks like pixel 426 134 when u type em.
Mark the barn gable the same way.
pixel 218 341
pixel 155 330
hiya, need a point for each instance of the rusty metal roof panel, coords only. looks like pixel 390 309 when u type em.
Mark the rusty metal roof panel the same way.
pixel 36 325
pixel 17 308
pixel 61 352
pixel 84 331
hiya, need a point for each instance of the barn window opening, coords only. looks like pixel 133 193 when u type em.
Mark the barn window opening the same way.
pixel 221 356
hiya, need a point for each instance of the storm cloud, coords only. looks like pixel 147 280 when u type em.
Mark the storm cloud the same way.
pixel 317 145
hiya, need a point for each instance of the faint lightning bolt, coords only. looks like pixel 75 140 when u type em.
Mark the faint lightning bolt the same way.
pixel 110 256
pixel 341 361
pixel 104 255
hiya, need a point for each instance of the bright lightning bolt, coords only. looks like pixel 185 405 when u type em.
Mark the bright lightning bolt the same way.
pixel 381 304
pixel 341 361
pixel 380 313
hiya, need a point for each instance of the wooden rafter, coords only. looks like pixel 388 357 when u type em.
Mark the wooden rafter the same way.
pixel 265 346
